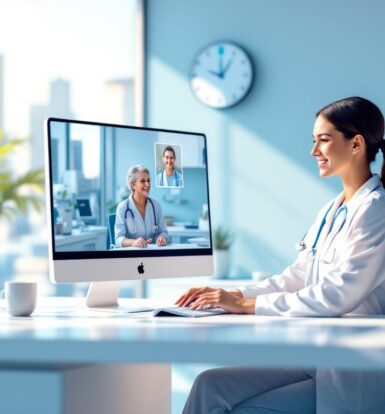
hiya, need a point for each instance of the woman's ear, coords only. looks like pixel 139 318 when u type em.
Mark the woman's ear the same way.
pixel 358 143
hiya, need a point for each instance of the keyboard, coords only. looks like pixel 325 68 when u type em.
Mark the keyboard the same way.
pixel 187 312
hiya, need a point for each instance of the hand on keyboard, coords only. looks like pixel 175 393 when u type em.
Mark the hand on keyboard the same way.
pixel 233 300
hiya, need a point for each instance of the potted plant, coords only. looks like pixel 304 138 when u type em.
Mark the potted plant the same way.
pixel 17 193
pixel 222 243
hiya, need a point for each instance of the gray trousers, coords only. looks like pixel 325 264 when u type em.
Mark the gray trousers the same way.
pixel 247 390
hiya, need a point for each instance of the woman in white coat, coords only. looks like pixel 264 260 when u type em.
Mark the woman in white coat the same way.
pixel 340 269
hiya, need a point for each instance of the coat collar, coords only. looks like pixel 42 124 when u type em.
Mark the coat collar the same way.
pixel 352 205
pixel 360 195
pixel 351 208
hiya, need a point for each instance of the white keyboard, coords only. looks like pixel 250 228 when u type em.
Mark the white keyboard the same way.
pixel 187 312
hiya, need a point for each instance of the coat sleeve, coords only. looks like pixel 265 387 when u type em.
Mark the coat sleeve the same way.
pixel 179 178
pixel 162 225
pixel 120 225
pixel 359 269
pixel 159 179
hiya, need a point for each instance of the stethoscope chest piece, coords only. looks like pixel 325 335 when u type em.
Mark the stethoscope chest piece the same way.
pixel 300 246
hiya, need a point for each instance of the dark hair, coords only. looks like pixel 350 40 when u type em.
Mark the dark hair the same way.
pixel 169 149
pixel 358 116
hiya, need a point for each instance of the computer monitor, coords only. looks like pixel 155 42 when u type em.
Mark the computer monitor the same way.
pixel 176 205
pixel 84 207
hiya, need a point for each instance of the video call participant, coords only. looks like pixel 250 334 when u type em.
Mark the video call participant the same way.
pixel 139 219
pixel 169 177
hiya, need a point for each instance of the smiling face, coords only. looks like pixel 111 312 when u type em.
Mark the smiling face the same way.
pixel 169 160
pixel 141 187
pixel 334 152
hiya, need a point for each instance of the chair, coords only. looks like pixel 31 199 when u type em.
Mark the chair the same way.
pixel 111 231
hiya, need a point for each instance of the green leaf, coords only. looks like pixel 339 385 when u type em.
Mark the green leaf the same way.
pixel 222 239
pixel 12 199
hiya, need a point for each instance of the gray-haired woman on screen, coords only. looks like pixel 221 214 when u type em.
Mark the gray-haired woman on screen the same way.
pixel 139 219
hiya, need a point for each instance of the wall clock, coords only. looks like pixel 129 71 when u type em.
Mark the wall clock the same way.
pixel 221 75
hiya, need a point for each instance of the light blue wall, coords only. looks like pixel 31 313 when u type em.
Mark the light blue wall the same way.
pixel 263 183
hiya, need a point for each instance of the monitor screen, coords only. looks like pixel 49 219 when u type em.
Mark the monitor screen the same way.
pixel 146 191
pixel 83 205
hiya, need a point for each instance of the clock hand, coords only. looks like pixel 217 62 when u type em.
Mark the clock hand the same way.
pixel 221 51
pixel 227 67
pixel 215 73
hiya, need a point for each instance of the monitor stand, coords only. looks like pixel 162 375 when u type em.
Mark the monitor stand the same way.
pixel 104 296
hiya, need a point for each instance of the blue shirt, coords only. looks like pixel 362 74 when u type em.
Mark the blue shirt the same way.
pixel 174 180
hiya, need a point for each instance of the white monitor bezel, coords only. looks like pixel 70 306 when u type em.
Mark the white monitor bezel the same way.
pixel 94 266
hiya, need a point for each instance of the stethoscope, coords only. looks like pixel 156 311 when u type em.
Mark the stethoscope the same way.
pixel 132 229
pixel 301 245
pixel 163 182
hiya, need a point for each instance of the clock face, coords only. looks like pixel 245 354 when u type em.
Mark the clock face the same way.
pixel 221 75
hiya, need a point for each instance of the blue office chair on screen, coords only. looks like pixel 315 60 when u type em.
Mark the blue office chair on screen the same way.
pixel 111 231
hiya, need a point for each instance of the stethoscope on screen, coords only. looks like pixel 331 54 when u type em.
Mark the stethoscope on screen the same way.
pixel 301 245
pixel 132 229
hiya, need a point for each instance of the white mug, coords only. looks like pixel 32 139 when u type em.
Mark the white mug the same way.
pixel 20 298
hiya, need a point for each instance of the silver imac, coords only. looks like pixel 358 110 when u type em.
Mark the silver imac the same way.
pixel 148 192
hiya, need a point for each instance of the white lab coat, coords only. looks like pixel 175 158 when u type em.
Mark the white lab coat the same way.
pixel 347 276
pixel 132 227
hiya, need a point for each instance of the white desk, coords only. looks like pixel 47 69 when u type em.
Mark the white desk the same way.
pixel 170 246
pixel 177 233
pixel 90 239
pixel 88 351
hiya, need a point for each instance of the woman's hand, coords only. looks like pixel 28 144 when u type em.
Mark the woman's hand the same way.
pixel 161 241
pixel 234 302
pixel 140 242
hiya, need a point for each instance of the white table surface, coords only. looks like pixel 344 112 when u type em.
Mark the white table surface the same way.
pixel 77 234
pixel 63 331
pixel 170 246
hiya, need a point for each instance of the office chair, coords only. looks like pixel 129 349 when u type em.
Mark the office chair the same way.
pixel 111 231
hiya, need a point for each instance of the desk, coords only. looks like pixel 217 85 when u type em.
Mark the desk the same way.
pixel 180 234
pixel 170 246
pixel 88 348
pixel 91 238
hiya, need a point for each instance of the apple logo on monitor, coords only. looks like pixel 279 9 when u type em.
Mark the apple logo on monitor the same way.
pixel 141 268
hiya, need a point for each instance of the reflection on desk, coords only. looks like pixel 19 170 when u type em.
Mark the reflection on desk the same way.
pixel 90 238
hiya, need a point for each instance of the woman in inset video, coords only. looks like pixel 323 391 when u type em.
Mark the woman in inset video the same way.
pixel 169 177
pixel 340 269
pixel 139 219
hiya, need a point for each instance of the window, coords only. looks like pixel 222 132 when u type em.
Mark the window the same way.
pixel 65 59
